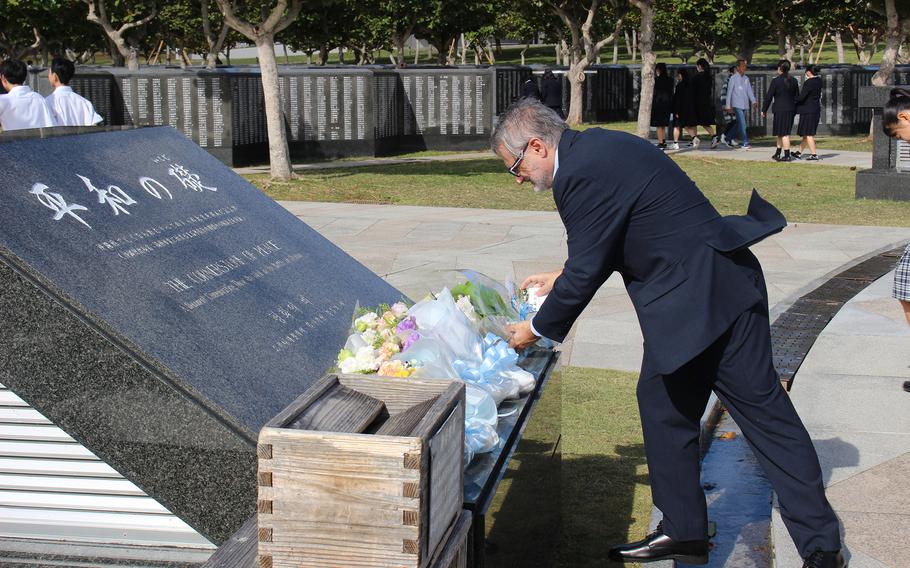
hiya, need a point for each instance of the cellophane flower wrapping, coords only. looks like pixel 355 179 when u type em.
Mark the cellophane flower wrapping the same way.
pixel 456 334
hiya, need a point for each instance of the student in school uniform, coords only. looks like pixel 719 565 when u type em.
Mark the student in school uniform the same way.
pixel 661 103
pixel 683 110
pixel 21 107
pixel 705 111
pixel 68 108
pixel 809 109
pixel 783 90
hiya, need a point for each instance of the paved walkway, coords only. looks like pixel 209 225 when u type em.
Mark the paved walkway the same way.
pixel 859 160
pixel 848 393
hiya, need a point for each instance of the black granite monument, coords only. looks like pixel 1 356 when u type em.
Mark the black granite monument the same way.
pixel 889 177
pixel 160 309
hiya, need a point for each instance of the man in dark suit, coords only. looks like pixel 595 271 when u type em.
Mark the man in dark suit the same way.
pixel 703 308
pixel 551 92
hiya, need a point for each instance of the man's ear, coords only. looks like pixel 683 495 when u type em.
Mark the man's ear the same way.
pixel 537 146
pixel 904 115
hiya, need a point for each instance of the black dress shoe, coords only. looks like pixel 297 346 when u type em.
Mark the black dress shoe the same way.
pixel 825 559
pixel 658 546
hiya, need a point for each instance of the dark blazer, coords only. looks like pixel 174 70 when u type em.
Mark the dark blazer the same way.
pixel 684 104
pixel 662 101
pixel 551 91
pixel 529 89
pixel 629 208
pixel 784 93
pixel 809 99
pixel 703 85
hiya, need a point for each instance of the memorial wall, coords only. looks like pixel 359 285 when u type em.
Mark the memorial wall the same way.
pixel 332 112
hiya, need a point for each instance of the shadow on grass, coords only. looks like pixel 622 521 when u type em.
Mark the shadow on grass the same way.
pixel 563 509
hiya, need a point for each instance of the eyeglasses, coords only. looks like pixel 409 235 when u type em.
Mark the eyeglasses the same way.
pixel 513 169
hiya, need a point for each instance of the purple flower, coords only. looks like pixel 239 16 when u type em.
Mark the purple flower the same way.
pixel 411 339
pixel 407 324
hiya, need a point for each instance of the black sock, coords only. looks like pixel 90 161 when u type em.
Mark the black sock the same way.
pixel 786 153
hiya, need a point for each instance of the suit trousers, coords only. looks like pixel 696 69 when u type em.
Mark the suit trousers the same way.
pixel 739 368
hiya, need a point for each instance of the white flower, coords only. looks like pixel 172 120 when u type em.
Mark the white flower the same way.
pixel 399 309
pixel 467 308
pixel 369 336
pixel 365 361
pixel 367 320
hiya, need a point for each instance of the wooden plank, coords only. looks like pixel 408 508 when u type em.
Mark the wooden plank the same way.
pixel 339 409
pixel 454 553
pixel 446 476
pixel 404 423
pixel 239 551
pixel 303 401
pixel 451 397
pixel 397 394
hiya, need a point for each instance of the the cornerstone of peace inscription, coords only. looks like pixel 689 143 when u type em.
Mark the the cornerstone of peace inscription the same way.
pixel 161 310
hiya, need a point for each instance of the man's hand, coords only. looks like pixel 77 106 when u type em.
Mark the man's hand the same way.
pixel 763 115
pixel 906 305
pixel 520 335
pixel 544 281
pixel 728 110
pixel 755 104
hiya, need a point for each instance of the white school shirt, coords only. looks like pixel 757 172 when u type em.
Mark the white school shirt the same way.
pixel 24 108
pixel 70 109
pixel 555 169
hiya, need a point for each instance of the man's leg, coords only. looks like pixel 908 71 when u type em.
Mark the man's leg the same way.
pixel 750 389
pixel 671 407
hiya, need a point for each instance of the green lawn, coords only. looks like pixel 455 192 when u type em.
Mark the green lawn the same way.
pixel 807 193
pixel 578 482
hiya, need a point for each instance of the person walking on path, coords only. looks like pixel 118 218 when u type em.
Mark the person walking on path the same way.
pixel 705 114
pixel 783 91
pixel 732 126
pixel 551 92
pixel 662 103
pixel 68 108
pixel 683 109
pixel 809 108
pixel 740 97
pixel 21 107
pixel 702 303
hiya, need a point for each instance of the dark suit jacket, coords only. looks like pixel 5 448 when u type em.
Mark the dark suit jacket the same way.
pixel 629 208
pixel 551 91
pixel 809 99
pixel 784 93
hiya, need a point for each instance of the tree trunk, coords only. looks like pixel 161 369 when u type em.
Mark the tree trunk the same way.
pixel 523 51
pixel 839 42
pixel 894 37
pixel 132 59
pixel 648 59
pixel 615 52
pixel 576 76
pixel 279 156
pixel 625 34
pixel 398 44
pixel 117 58
pixel 464 50
pixel 416 51
pixel 634 45
pixel 558 53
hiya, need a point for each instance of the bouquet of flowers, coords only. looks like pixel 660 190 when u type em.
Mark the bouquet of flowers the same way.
pixel 446 337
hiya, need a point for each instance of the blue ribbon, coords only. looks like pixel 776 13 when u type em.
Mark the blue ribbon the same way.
pixel 497 357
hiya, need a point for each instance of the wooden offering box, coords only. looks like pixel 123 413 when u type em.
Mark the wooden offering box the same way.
pixel 362 471
pixel 454 554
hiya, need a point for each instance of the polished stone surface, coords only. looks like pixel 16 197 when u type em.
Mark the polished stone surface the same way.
pixel 161 310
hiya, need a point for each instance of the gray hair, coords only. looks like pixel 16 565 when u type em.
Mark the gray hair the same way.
pixel 526 119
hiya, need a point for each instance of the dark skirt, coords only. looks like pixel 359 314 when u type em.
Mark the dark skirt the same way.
pixel 808 124
pixel 660 118
pixel 705 115
pixel 783 123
